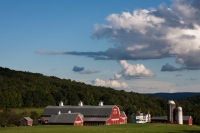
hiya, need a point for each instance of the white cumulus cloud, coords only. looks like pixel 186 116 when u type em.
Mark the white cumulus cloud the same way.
pixel 110 83
pixel 159 33
pixel 133 71
pixel 163 32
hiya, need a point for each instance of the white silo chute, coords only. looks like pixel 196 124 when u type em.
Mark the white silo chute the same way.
pixel 179 115
pixel 80 103
pixel 60 103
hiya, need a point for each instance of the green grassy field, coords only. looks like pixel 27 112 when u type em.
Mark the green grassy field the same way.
pixel 28 110
pixel 128 128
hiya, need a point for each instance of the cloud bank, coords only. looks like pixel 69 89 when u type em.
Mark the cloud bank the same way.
pixel 81 70
pixel 168 67
pixel 77 69
pixel 88 71
pixel 151 34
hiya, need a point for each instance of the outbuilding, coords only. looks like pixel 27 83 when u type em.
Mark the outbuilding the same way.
pixel 187 120
pixel 26 121
pixel 66 119
pixel 159 119
pixel 141 117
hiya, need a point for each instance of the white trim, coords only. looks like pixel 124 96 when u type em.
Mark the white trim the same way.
pixel 115 119
pixel 78 121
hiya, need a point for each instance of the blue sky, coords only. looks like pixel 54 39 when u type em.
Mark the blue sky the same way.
pixel 140 46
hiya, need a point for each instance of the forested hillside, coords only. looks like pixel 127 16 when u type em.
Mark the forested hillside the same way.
pixel 24 89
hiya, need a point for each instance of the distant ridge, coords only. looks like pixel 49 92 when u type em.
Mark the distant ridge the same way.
pixel 174 96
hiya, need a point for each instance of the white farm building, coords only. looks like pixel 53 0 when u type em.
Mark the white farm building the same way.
pixel 141 118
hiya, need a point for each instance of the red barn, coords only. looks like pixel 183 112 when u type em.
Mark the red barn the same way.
pixel 89 115
pixel 124 117
pixel 26 121
pixel 116 117
pixel 187 120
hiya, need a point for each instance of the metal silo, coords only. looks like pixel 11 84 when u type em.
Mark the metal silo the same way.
pixel 179 115
pixel 171 111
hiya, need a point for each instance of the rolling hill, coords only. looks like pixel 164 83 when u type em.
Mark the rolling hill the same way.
pixel 174 96
pixel 20 89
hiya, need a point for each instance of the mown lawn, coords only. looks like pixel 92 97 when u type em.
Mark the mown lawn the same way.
pixel 128 128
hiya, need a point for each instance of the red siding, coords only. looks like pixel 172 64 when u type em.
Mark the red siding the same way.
pixel 30 123
pixel 189 122
pixel 78 121
pixel 123 116
pixel 24 122
pixel 115 117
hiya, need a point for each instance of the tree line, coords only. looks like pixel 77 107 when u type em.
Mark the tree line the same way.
pixel 8 118
pixel 191 106
pixel 25 90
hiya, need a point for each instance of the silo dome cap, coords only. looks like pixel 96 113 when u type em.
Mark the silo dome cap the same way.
pixel 171 102
pixel 179 108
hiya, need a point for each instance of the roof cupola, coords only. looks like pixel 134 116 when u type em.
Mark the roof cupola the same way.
pixel 80 103
pixel 60 103
pixel 100 103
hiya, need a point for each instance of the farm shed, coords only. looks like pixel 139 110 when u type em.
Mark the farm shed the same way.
pixel 187 120
pixel 26 121
pixel 66 119
pixel 159 119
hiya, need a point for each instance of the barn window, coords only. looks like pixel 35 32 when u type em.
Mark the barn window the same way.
pixel 115 111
